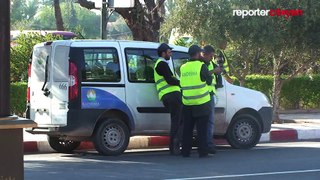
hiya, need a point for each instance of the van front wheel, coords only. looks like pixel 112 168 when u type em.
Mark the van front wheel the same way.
pixel 244 132
pixel 62 146
pixel 111 137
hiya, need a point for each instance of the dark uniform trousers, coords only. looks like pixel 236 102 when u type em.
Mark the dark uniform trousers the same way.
pixel 173 102
pixel 199 116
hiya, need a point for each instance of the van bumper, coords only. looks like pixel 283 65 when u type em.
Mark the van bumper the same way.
pixel 266 117
pixel 81 123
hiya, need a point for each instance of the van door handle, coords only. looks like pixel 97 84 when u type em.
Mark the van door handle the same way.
pixel 232 94
pixel 46 92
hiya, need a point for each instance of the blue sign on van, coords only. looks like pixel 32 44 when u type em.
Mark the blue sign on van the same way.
pixel 94 98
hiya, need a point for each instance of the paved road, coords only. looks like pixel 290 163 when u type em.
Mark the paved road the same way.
pixel 297 160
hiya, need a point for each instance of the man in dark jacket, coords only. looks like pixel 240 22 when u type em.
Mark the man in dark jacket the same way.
pixel 168 89
pixel 194 81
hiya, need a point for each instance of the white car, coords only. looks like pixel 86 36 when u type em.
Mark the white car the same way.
pixel 104 91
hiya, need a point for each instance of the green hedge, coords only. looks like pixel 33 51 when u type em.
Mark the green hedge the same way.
pixel 18 97
pixel 301 92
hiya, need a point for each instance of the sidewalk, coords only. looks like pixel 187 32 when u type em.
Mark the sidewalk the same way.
pixel 297 127
pixel 301 118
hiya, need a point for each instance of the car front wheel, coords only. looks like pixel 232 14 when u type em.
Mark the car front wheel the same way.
pixel 244 132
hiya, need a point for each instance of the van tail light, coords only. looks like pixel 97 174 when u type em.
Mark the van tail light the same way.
pixel 29 78
pixel 73 81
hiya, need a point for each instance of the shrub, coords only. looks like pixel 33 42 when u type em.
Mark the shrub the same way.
pixel 302 92
pixel 18 98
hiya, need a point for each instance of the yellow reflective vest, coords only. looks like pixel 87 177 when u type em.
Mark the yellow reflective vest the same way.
pixel 225 64
pixel 194 91
pixel 161 84
pixel 212 88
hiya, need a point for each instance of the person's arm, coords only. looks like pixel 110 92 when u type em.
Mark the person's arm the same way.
pixel 228 78
pixel 205 75
pixel 164 70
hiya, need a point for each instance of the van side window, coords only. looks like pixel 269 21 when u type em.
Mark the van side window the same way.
pixel 178 59
pixel 101 65
pixel 140 63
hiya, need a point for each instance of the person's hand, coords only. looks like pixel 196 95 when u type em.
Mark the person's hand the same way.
pixel 228 79
pixel 217 70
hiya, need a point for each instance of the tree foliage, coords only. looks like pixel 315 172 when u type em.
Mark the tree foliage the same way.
pixel 20 54
pixel 289 44
pixel 74 18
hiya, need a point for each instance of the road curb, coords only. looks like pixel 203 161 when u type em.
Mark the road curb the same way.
pixel 146 142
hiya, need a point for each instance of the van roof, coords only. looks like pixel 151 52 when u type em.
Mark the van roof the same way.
pixel 145 43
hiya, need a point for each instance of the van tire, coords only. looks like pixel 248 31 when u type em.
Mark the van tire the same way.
pixel 111 137
pixel 63 146
pixel 244 132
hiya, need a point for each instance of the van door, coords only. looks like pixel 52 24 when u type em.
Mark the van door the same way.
pixel 102 85
pixel 220 121
pixel 141 95
pixel 178 59
pixel 60 85
pixel 39 83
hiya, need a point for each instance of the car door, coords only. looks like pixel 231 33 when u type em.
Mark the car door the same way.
pixel 60 84
pixel 181 57
pixel 39 82
pixel 150 115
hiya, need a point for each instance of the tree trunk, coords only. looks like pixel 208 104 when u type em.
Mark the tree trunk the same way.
pixel 143 20
pixel 142 33
pixel 276 90
pixel 256 62
pixel 58 16
pixel 242 81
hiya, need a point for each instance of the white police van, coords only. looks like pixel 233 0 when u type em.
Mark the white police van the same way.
pixel 104 91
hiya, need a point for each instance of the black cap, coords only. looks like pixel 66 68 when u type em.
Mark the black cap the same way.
pixel 163 47
pixel 194 49
pixel 208 49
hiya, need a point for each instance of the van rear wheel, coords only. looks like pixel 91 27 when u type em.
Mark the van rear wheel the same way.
pixel 62 146
pixel 244 132
pixel 111 137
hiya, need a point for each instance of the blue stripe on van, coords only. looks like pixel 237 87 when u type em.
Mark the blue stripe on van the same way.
pixel 93 98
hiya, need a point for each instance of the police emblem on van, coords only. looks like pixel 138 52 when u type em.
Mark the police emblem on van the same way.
pixel 91 95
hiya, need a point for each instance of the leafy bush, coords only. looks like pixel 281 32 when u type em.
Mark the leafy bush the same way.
pixel 21 51
pixel 302 92
pixel 261 83
pixel 18 98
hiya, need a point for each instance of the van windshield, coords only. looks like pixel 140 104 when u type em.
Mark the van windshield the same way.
pixel 39 57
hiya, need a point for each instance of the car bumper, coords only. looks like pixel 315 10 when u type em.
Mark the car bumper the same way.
pixel 266 117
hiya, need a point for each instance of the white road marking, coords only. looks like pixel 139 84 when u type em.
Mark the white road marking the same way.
pixel 247 175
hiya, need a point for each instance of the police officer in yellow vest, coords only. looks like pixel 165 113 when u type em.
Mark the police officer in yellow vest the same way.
pixel 168 89
pixel 215 71
pixel 222 60
pixel 194 82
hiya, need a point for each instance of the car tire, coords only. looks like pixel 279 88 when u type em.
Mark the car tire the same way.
pixel 111 137
pixel 244 132
pixel 63 146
